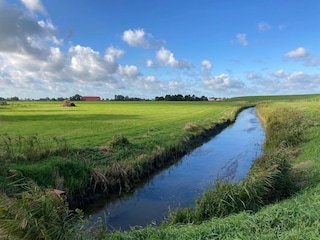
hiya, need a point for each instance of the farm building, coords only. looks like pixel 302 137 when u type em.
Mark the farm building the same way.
pixel 91 98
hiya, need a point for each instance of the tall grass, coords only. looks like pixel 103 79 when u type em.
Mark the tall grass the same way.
pixel 286 127
pixel 29 148
pixel 32 213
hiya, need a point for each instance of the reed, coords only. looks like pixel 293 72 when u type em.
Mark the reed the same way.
pixel 32 213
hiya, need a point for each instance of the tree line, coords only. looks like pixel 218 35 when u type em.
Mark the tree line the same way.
pixel 180 97
pixel 78 97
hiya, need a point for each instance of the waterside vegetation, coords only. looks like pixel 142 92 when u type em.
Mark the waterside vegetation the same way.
pixel 287 170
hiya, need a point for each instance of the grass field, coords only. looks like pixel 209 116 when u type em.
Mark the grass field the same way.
pixel 136 133
pixel 42 139
pixel 95 123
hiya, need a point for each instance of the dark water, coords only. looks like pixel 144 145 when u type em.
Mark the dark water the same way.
pixel 227 155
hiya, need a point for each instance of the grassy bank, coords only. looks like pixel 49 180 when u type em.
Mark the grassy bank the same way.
pixel 252 209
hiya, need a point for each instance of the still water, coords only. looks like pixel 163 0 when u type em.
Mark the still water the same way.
pixel 226 156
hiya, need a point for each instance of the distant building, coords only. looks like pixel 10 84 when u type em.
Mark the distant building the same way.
pixel 91 98
pixel 213 99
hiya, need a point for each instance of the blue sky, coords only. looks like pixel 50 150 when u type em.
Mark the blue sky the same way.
pixel 149 48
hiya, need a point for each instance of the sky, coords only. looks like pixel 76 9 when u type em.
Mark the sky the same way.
pixel 149 48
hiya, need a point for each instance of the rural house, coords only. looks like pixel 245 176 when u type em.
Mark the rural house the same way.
pixel 91 98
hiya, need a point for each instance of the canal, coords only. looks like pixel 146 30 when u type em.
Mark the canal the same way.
pixel 228 155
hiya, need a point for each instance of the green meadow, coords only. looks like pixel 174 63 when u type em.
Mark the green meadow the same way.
pixel 92 124
pixel 102 146
pixel 108 146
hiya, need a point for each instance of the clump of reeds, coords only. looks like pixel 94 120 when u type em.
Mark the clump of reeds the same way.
pixel 32 213
pixel 119 141
pixel 29 148
pixel 286 127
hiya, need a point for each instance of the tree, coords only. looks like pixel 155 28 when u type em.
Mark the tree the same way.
pixel 76 97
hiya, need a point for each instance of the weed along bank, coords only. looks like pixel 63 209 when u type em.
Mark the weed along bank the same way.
pixel 227 156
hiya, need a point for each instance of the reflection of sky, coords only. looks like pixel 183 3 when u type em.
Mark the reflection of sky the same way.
pixel 228 155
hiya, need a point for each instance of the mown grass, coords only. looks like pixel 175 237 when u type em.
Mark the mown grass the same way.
pixel 95 123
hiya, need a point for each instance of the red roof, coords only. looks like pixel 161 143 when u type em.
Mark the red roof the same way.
pixel 91 98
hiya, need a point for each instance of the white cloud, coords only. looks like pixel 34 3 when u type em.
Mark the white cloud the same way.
pixel 149 63
pixel 253 76
pixel 151 84
pixel 175 86
pixel 166 58
pixel 281 82
pixel 222 82
pixel 128 71
pixel 139 38
pixel 135 38
pixel 50 32
pixel 112 53
pixel 241 39
pixel 34 5
pixel 298 53
pixel 312 61
pixel 263 27
pixel 84 59
pixel 206 65
pixel 278 74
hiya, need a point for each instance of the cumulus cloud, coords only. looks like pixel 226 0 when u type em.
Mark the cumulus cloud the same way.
pixel 282 82
pixel 312 61
pixel 302 54
pixel 128 71
pixel 278 74
pixel 112 54
pixel 135 38
pixel 222 82
pixel 34 5
pixel 151 84
pixel 149 63
pixel 206 65
pixel 16 30
pixel 263 27
pixel 300 82
pixel 296 54
pixel 253 76
pixel 241 39
pixel 139 38
pixel 84 60
pixel 166 58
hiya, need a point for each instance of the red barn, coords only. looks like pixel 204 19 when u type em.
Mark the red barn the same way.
pixel 91 98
